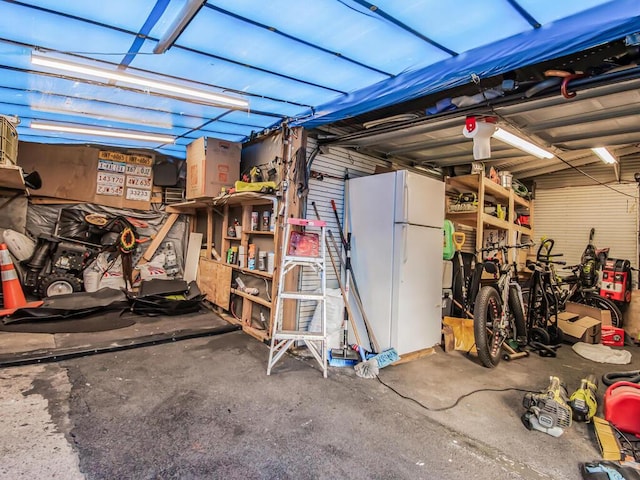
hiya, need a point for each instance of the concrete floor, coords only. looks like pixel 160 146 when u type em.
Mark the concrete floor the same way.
pixel 204 408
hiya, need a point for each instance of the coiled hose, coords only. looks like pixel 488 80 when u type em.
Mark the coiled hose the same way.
pixel 610 378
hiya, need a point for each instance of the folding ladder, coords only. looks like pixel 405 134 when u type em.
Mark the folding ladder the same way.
pixel 301 250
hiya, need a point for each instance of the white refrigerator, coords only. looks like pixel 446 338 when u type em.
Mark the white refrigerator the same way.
pixel 396 222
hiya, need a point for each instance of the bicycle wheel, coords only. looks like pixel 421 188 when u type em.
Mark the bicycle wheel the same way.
pixel 603 303
pixel 517 310
pixel 486 314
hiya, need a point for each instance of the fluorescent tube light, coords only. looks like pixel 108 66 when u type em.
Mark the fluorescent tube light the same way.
pixel 154 85
pixel 104 132
pixel 604 154
pixel 521 143
pixel 190 9
pixel 96 114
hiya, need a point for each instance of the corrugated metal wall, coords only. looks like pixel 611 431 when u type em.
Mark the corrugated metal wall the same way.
pixel 567 214
pixel 334 164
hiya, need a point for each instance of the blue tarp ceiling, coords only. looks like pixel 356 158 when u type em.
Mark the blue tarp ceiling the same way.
pixel 311 62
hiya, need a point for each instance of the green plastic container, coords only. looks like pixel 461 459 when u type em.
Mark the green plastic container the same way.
pixel 448 248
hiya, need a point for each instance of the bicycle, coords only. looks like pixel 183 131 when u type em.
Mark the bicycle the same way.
pixel 577 287
pixel 544 297
pixel 498 313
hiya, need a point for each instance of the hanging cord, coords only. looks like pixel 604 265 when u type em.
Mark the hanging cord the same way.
pixel 266 288
pixel 458 400
pixel 476 80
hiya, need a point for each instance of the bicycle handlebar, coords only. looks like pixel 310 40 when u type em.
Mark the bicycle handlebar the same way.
pixel 555 262
pixel 496 246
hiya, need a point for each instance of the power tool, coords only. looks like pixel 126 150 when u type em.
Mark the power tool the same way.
pixel 548 411
pixel 583 401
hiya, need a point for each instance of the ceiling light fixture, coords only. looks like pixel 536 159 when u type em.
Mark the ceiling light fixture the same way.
pixel 521 143
pixel 605 155
pixel 190 9
pixel 103 132
pixel 96 114
pixel 148 83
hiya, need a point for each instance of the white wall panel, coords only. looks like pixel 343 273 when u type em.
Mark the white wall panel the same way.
pixel 338 163
pixel 567 215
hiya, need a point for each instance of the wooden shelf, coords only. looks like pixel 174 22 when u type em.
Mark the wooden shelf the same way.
pixel 479 219
pixel 11 178
pixel 261 335
pixel 260 232
pixel 259 273
pixel 189 206
pixel 253 298
pixel 244 198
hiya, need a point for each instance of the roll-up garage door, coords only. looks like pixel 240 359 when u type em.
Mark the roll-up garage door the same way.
pixel 568 214
pixel 327 183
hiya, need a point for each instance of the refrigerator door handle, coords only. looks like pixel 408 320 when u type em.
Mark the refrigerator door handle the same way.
pixel 405 210
pixel 405 235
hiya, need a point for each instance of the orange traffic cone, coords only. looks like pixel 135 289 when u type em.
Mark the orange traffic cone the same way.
pixel 11 289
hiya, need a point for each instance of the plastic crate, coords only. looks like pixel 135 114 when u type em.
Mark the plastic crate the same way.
pixel 8 142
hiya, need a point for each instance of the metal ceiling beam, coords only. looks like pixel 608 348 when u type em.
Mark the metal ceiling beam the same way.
pixel 373 8
pixel 547 162
pixel 588 88
pixel 631 135
pixel 498 152
pixel 396 131
pixel 188 12
pixel 298 40
pixel 524 14
pixel 555 168
pixel 427 144
pixel 582 118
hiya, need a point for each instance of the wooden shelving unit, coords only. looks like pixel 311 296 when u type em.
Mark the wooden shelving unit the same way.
pixel 217 275
pixel 479 220
pixel 240 206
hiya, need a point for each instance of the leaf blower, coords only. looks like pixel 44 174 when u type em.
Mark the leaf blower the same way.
pixel 583 401
pixel 548 411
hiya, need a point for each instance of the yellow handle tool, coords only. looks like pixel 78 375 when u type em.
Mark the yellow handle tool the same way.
pixel 458 240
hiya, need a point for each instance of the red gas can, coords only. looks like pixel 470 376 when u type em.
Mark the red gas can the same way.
pixel 622 406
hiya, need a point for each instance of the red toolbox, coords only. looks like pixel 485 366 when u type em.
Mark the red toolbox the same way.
pixel 612 336
pixel 622 406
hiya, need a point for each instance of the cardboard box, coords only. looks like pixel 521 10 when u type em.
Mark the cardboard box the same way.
pixel 586 311
pixel 584 329
pixel 211 165
pixel 632 316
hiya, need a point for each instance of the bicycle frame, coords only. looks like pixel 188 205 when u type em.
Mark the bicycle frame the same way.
pixel 506 327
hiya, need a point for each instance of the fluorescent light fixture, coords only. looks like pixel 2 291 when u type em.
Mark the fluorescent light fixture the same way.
pixel 128 78
pixel 103 132
pixel 190 9
pixel 96 114
pixel 521 143
pixel 604 154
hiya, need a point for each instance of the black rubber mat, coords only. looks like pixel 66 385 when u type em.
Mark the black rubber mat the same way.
pixel 82 321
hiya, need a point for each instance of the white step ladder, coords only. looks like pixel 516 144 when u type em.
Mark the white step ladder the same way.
pixel 295 255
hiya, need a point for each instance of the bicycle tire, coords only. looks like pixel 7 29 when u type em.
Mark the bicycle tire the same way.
pixel 487 310
pixel 603 303
pixel 517 309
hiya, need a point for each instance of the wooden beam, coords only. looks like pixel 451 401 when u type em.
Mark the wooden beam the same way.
pixel 155 243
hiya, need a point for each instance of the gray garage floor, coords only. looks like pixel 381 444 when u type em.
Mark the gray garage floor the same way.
pixel 204 408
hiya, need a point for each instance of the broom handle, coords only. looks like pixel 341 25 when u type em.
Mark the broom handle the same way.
pixel 342 291
pixel 372 338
